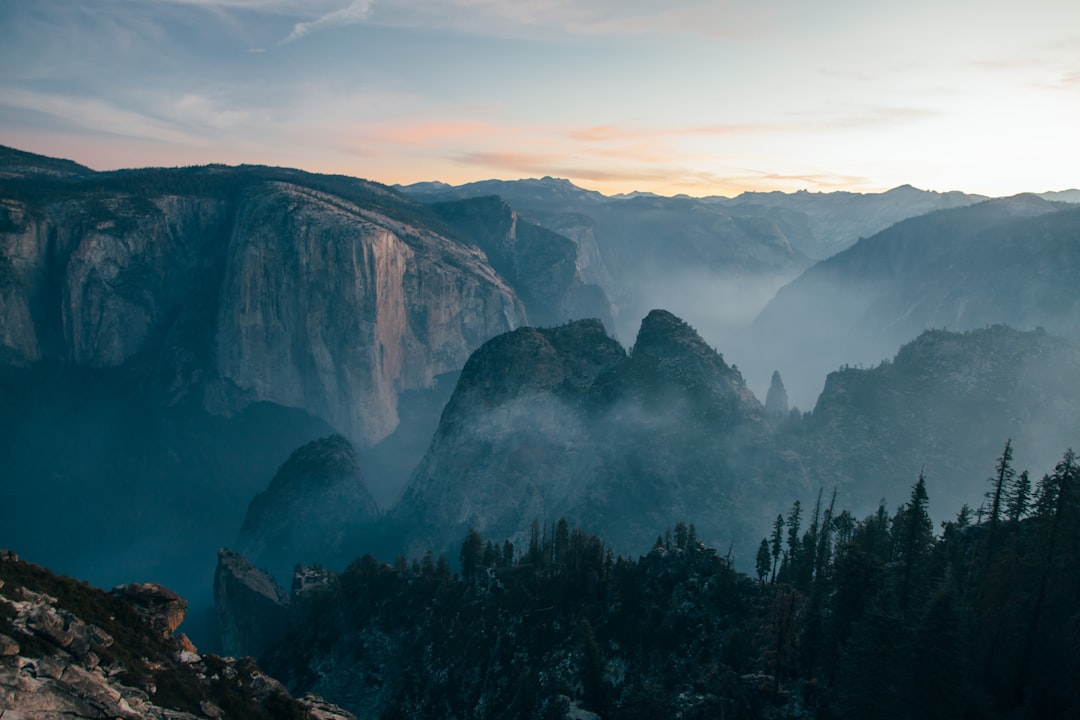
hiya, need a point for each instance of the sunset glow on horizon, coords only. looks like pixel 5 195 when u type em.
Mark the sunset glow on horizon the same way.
pixel 701 98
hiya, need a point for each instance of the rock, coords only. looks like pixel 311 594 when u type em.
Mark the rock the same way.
pixel 163 609
pixel 211 710
pixel 186 643
pixel 262 285
pixel 58 627
pixel 560 422
pixel 319 709
pixel 539 264
pixel 776 400
pixel 60 684
pixel 252 610
pixel 8 646
pixel 317 509
pixel 511 447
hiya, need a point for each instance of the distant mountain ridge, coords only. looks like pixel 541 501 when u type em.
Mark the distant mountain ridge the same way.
pixel 702 259
pixel 1011 261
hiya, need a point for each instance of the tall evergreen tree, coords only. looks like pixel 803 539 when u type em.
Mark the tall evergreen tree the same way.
pixel 777 545
pixel 793 520
pixel 996 495
pixel 472 554
pixel 1018 498
pixel 915 533
pixel 764 560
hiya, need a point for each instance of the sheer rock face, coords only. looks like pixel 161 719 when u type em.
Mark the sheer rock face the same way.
pixel 776 400
pixel 540 264
pixel 252 610
pixel 335 309
pixel 561 422
pixel 260 288
pixel 316 509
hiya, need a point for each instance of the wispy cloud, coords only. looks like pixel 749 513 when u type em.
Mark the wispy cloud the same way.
pixel 355 12
pixel 869 117
pixel 615 133
pixel 98 116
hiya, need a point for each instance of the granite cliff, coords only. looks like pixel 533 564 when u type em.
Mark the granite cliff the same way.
pixel 245 285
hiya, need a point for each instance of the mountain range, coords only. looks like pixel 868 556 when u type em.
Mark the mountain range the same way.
pixel 174 342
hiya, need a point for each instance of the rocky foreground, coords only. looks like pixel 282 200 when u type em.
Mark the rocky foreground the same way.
pixel 70 650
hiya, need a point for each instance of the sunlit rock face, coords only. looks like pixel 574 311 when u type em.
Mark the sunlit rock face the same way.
pixel 334 309
pixel 243 285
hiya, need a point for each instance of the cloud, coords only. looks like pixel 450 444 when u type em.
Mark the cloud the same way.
pixel 862 117
pixel 613 133
pixel 98 116
pixel 355 12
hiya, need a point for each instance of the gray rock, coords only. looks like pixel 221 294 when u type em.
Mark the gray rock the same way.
pixel 252 610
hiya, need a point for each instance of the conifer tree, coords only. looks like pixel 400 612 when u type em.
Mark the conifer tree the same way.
pixel 777 544
pixel 764 560
pixel 915 534
pixel 472 554
pixel 1000 483
pixel 1018 499
pixel 793 520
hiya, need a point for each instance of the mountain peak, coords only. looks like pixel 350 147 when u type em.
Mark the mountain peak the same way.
pixel 664 332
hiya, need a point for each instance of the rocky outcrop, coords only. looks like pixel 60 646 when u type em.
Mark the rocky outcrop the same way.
pixel 512 446
pixel 317 509
pixel 562 423
pixel 159 606
pixel 252 610
pixel 776 400
pixel 70 650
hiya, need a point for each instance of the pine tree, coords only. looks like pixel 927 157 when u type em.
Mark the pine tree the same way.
pixel 1018 498
pixel 777 544
pixel 764 560
pixel 793 520
pixel 915 533
pixel 1000 483
pixel 472 554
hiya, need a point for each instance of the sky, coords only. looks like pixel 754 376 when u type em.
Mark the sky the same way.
pixel 675 96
